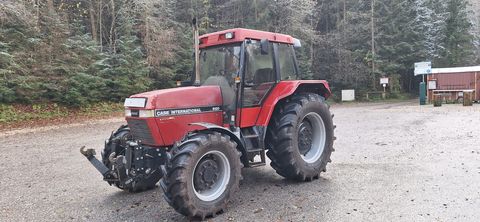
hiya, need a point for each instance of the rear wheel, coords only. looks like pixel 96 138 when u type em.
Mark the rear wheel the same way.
pixel 201 174
pixel 117 144
pixel 300 137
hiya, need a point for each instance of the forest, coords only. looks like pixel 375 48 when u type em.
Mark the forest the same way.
pixel 80 52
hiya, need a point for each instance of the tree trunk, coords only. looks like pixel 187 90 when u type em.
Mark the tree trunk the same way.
pixel 100 25
pixel 50 6
pixel 373 44
pixel 112 28
pixel 256 10
pixel 312 42
pixel 37 12
pixel 344 19
pixel 92 21
pixel 147 40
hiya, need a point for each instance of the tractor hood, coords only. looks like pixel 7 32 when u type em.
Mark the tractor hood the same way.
pixel 182 98
pixel 161 117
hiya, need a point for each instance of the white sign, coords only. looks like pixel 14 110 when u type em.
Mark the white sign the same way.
pixel 422 68
pixel 432 84
pixel 348 95
pixel 384 80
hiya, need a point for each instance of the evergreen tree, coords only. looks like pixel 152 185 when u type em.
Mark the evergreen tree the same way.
pixel 399 41
pixel 125 69
pixel 431 16
pixel 458 37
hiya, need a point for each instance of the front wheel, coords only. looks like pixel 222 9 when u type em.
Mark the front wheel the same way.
pixel 300 137
pixel 201 174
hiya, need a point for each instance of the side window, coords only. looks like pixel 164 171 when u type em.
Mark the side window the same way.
pixel 259 73
pixel 287 62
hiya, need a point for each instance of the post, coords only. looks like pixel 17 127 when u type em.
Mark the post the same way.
pixel 384 93
pixel 437 100
pixel 427 93
pixel 197 51
pixel 467 97
pixel 476 90
pixel 422 93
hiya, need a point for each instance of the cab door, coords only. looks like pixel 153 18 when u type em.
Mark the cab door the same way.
pixel 259 77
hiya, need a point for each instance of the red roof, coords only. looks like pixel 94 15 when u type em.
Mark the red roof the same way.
pixel 239 35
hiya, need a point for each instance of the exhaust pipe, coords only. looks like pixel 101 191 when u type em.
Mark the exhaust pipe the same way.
pixel 197 51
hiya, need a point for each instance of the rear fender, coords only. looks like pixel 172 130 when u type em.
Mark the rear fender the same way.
pixel 285 89
pixel 233 136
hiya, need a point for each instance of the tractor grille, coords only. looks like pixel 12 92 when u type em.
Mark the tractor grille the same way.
pixel 140 130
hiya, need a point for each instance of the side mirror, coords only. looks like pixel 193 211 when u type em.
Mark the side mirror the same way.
pixel 296 43
pixel 264 46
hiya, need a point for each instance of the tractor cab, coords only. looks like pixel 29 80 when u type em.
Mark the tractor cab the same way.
pixel 245 64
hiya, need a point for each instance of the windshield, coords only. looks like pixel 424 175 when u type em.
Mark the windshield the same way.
pixel 219 62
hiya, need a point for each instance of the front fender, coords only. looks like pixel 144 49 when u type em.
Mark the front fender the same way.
pixel 235 136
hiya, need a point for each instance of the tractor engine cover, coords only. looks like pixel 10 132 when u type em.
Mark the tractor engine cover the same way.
pixel 168 113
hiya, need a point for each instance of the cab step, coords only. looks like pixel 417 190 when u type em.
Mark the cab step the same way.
pixel 254 144
pixel 262 161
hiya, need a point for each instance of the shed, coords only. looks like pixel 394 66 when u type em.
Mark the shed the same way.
pixel 452 82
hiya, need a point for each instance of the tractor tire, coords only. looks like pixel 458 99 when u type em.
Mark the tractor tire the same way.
pixel 117 143
pixel 300 137
pixel 201 174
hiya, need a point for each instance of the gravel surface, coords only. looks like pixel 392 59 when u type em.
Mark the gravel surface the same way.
pixel 393 162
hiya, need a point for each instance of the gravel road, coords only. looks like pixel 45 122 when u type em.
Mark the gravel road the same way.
pixel 393 162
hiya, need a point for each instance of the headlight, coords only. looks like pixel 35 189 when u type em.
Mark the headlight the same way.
pixel 139 113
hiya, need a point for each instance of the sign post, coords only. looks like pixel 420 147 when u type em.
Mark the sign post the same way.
pixel 384 83
pixel 423 68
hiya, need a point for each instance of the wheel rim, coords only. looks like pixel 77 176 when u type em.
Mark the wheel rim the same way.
pixel 211 176
pixel 311 137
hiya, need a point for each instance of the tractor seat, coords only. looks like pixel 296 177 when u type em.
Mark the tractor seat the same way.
pixel 228 94
pixel 263 76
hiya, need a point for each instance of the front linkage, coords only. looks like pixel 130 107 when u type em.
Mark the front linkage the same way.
pixel 127 164
pixel 90 155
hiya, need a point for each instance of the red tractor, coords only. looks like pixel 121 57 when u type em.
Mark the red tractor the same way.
pixel 245 100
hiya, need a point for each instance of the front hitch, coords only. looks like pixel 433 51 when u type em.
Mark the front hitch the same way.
pixel 90 155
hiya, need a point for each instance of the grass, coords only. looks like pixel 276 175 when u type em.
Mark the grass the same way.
pixel 18 113
pixel 389 97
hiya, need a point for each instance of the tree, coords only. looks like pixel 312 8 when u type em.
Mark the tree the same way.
pixel 458 38
pixel 431 18
pixel 400 40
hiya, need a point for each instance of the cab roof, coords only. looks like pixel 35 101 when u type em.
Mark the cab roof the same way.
pixel 239 35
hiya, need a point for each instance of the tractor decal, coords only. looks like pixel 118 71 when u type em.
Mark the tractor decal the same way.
pixel 186 111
